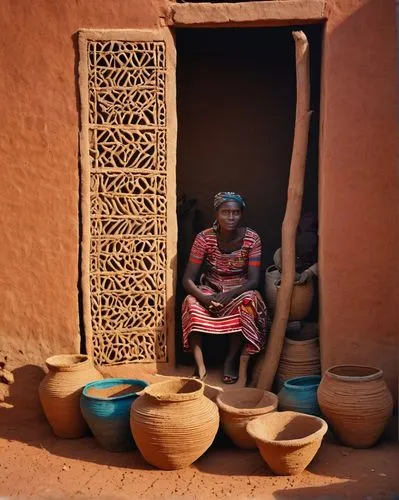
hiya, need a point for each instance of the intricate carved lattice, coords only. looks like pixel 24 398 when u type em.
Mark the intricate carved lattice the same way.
pixel 127 156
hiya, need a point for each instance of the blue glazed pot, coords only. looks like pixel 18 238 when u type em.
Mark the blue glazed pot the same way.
pixel 109 416
pixel 300 394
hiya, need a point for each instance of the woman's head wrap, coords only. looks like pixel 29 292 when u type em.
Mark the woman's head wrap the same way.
pixel 224 196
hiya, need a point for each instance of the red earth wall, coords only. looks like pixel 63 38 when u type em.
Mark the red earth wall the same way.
pixel 359 187
pixel 39 166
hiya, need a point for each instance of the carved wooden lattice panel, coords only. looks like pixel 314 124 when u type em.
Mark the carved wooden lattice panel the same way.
pixel 127 177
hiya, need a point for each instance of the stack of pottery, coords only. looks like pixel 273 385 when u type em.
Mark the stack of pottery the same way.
pixel 240 406
pixel 302 295
pixel 300 395
pixel 356 402
pixel 287 441
pixel 298 359
pixel 105 406
pixel 173 423
pixel 60 392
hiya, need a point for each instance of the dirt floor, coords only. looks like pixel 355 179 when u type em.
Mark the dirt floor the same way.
pixel 36 464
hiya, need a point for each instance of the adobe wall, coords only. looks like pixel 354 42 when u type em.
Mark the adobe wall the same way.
pixel 358 188
pixel 39 166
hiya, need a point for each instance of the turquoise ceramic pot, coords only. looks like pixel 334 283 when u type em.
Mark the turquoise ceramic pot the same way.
pixel 107 413
pixel 300 394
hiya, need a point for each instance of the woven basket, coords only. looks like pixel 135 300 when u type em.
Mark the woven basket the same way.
pixel 299 358
pixel 60 392
pixel 287 441
pixel 357 403
pixel 240 406
pixel 173 423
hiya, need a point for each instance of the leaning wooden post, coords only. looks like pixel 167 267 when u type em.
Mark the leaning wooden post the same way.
pixel 292 214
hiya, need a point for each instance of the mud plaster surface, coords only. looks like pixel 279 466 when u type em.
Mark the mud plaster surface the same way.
pixel 36 463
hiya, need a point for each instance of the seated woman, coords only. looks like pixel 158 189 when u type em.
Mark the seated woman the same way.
pixel 226 301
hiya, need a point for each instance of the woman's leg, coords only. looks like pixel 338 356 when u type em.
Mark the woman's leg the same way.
pixel 231 364
pixel 196 346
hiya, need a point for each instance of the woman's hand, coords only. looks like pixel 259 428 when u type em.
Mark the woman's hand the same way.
pixel 305 277
pixel 224 297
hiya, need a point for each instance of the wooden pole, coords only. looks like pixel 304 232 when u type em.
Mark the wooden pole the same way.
pixel 292 214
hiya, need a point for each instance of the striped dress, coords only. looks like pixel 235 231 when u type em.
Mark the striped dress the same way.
pixel 246 313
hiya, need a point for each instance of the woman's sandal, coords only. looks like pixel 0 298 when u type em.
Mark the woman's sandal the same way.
pixel 229 379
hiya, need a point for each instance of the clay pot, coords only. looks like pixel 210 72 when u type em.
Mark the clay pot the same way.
pixel 238 407
pixel 301 300
pixel 105 405
pixel 298 359
pixel 173 423
pixel 302 295
pixel 300 395
pixel 287 441
pixel 356 402
pixel 272 275
pixel 60 392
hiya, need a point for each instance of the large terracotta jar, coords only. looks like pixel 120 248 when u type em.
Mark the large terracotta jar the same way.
pixel 356 402
pixel 173 423
pixel 60 392
pixel 299 358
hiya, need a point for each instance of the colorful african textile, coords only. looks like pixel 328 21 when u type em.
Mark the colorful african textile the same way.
pixel 246 313
pixel 224 196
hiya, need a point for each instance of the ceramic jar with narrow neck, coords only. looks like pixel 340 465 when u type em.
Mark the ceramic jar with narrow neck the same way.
pixel 60 392
pixel 173 423
pixel 357 403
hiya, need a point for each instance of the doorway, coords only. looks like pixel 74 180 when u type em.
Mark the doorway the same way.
pixel 236 92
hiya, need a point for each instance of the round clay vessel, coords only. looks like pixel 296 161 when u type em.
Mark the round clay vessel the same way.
pixel 287 441
pixel 105 405
pixel 60 392
pixel 301 301
pixel 298 359
pixel 356 402
pixel 239 406
pixel 300 395
pixel 173 423
pixel 272 275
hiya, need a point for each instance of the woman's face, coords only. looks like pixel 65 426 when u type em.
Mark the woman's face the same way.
pixel 229 215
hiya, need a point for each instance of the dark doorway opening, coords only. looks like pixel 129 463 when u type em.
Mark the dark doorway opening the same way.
pixel 236 91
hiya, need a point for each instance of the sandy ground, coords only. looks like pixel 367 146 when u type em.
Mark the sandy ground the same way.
pixel 36 464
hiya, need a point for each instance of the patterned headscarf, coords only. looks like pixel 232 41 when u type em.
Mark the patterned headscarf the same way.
pixel 224 196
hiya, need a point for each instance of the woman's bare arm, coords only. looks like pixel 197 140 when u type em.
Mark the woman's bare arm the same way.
pixel 190 275
pixel 252 284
